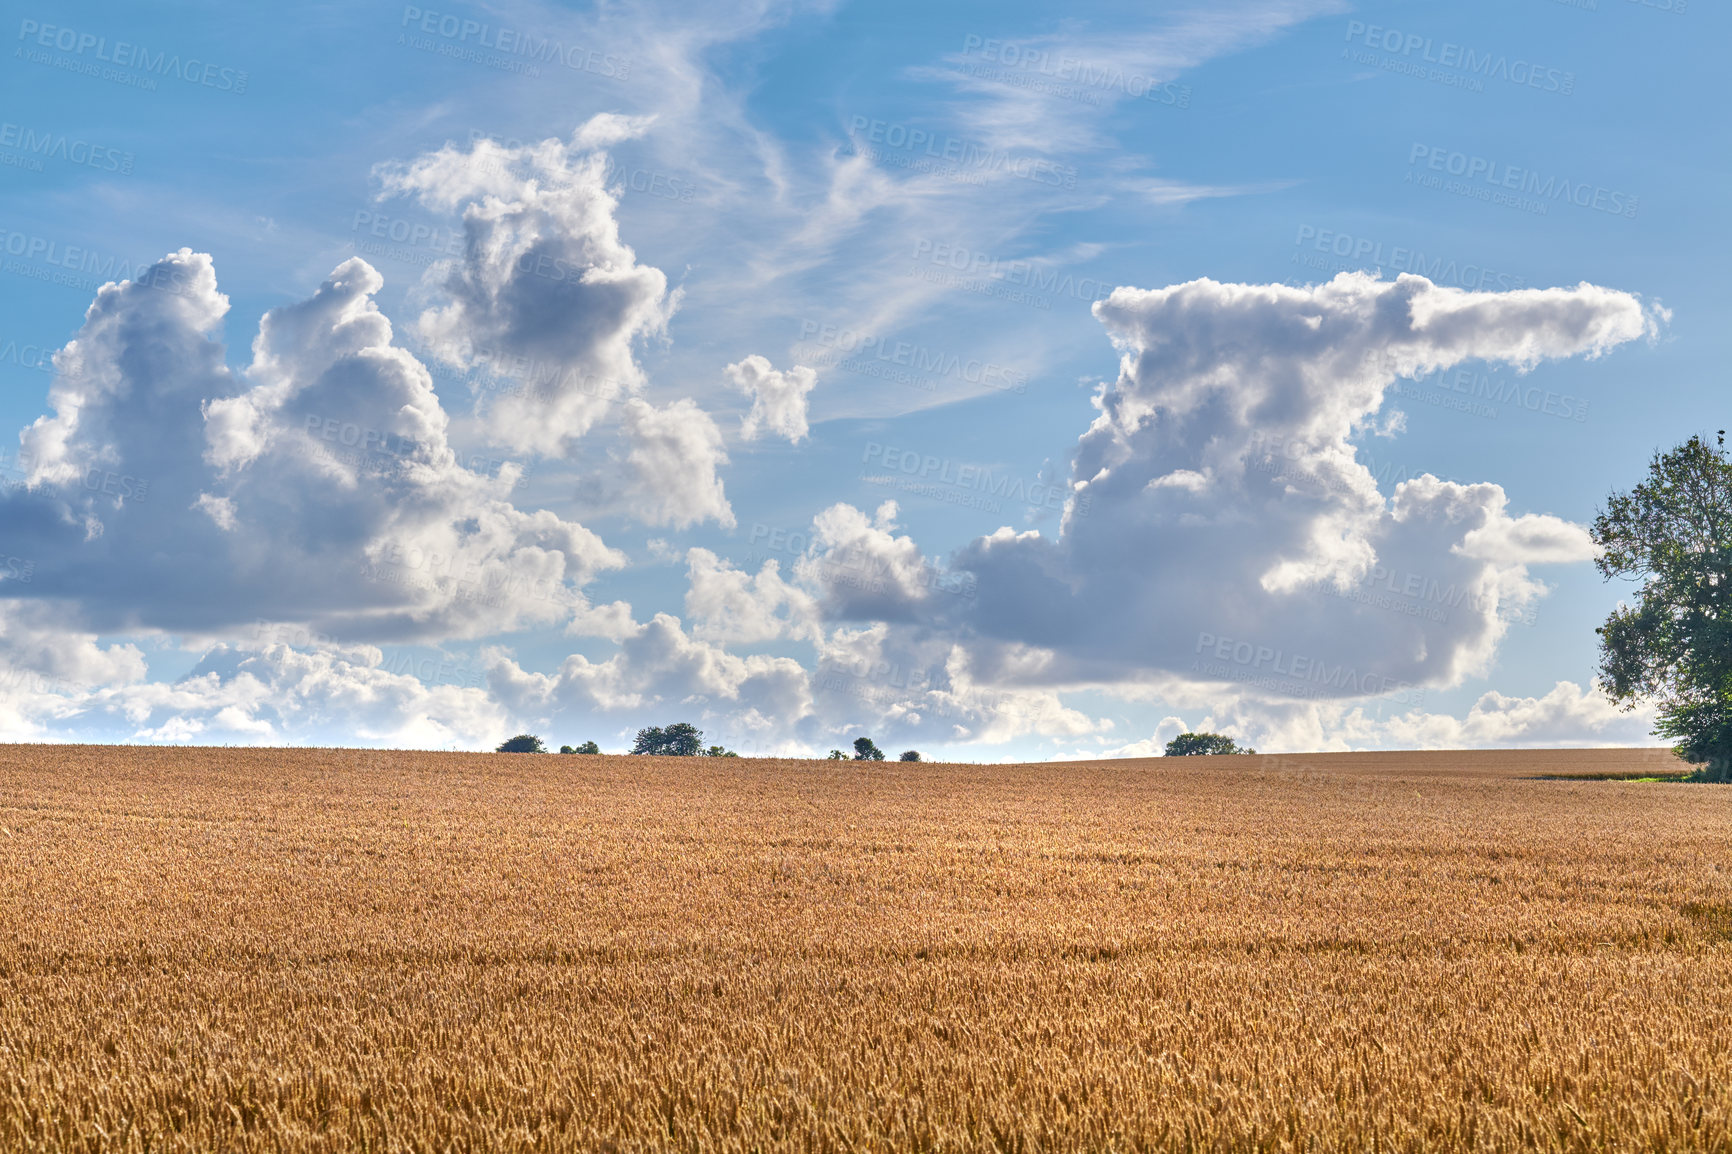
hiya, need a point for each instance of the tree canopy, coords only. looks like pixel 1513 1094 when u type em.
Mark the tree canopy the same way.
pixel 1673 647
pixel 865 749
pixel 522 743
pixel 1203 744
pixel 682 739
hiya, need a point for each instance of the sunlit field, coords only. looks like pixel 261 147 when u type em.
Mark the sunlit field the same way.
pixel 336 950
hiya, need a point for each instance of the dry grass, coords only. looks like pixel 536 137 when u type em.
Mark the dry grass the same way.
pixel 334 950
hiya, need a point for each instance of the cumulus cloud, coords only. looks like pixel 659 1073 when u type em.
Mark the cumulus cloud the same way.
pixel 1567 715
pixel 1231 534
pixel 671 465
pixel 888 683
pixel 660 666
pixel 731 606
pixel 272 694
pixel 778 398
pixel 545 289
pixel 166 494
pixel 862 569
pixel 42 651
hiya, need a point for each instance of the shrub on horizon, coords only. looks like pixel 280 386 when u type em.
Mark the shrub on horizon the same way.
pixel 1203 745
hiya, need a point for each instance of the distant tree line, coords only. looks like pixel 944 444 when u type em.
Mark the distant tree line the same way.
pixel 683 739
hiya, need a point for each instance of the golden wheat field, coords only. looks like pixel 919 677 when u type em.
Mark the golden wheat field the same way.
pixel 342 950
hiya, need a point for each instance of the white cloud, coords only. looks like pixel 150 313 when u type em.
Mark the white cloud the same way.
pixel 660 667
pixel 545 289
pixel 862 569
pixel 778 398
pixel 320 488
pixel 1051 91
pixel 1566 716
pixel 731 606
pixel 1231 534
pixel 671 465
pixel 264 695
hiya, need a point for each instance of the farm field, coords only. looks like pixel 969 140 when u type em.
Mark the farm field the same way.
pixel 328 950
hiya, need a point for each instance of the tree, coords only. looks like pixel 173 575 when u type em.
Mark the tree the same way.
pixel 1202 744
pixel 681 739
pixel 1674 646
pixel 586 747
pixel 837 755
pixel 522 743
pixel 865 750
pixel 718 751
pixel 910 755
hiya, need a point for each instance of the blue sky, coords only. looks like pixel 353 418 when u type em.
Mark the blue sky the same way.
pixel 673 293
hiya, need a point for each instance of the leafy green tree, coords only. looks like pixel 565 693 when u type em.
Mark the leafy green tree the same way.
pixel 837 755
pixel 866 750
pixel 910 755
pixel 1673 647
pixel 681 739
pixel 718 751
pixel 586 747
pixel 522 743
pixel 1202 745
